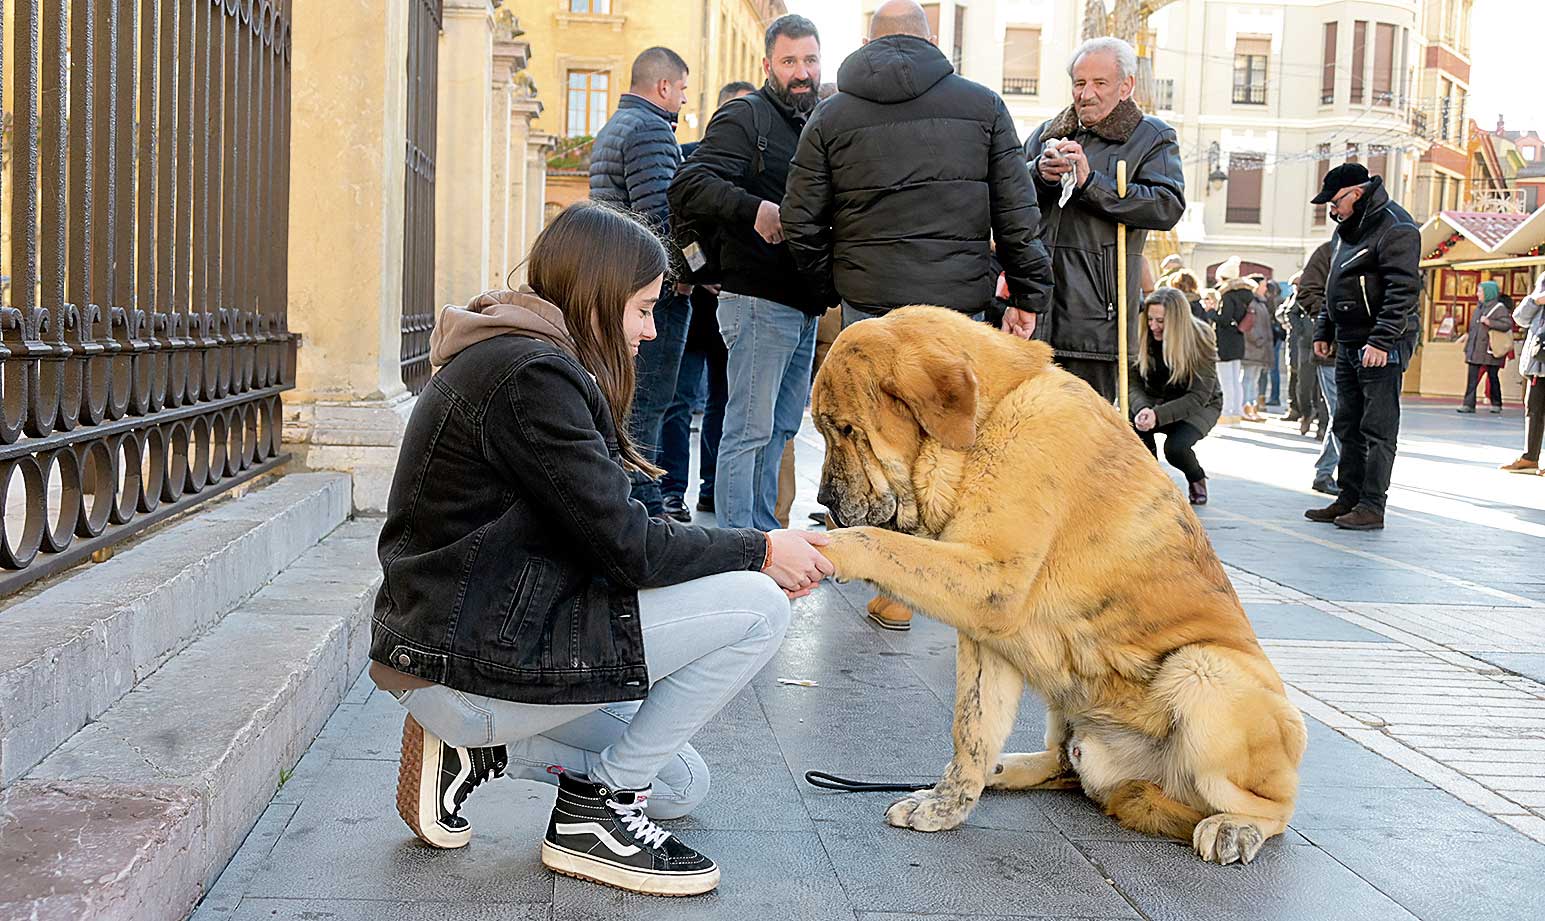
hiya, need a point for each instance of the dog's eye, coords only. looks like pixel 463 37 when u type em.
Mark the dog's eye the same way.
pixel 846 430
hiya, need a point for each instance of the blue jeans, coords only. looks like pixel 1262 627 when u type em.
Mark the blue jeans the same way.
pixel 657 366
pixel 700 371
pixel 1330 455
pixel 771 348
pixel 704 641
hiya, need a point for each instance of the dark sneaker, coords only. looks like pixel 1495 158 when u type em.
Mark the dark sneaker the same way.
pixel 1198 492
pixel 1465 409
pixel 602 835
pixel 1496 410
pixel 434 778
pixel 1330 512
pixel 1361 518
pixel 677 509
pixel 705 502
pixel 1326 485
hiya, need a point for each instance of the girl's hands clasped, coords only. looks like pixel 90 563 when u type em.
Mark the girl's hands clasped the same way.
pixel 795 564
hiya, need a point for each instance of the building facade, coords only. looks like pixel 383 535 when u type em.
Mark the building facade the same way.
pixel 1441 113
pixel 584 50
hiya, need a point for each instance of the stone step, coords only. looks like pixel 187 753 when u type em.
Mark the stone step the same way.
pixel 137 813
pixel 69 651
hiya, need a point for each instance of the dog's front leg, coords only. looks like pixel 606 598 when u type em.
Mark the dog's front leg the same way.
pixel 987 692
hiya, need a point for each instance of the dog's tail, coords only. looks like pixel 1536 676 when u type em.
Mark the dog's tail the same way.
pixel 1143 806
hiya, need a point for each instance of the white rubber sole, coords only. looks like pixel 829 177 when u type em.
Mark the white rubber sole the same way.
pixel 583 866
pixel 415 798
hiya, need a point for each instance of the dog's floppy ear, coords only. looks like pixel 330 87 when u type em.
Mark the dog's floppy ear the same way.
pixel 939 387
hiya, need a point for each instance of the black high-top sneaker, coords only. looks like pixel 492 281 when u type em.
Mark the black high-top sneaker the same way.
pixel 602 835
pixel 433 778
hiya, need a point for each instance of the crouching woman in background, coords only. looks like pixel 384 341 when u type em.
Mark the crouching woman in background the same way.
pixel 1173 390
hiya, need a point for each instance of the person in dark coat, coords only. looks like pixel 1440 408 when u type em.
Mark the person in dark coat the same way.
pixel 1101 127
pixel 903 177
pixel 1172 389
pixel 1493 310
pixel 1372 314
pixel 1311 299
pixel 632 161
pixel 768 311
pixel 1234 297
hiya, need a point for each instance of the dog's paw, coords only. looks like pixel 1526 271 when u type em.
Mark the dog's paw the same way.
pixel 926 810
pixel 1226 839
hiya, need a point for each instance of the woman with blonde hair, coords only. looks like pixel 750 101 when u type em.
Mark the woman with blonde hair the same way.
pixel 1173 389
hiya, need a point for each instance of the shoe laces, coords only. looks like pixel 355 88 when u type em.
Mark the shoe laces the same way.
pixel 639 825
pixel 486 763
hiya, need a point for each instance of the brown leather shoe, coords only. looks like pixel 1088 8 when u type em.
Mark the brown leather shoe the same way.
pixel 1199 492
pixel 1522 465
pixel 892 615
pixel 1304 424
pixel 1361 518
pixel 1329 513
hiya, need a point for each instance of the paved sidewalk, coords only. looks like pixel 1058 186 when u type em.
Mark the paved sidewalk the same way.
pixel 1416 653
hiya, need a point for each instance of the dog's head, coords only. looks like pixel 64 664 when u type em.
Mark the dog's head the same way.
pixel 887 388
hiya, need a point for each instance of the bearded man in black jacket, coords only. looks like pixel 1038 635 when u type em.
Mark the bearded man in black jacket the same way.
pixel 1371 314
pixel 731 187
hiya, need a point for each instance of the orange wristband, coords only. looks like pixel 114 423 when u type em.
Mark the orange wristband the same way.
pixel 767 560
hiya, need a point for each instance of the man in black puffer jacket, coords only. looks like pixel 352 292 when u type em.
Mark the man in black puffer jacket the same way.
pixel 632 162
pixel 901 178
pixel 1372 307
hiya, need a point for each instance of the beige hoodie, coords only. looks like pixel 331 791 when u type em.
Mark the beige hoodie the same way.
pixel 496 313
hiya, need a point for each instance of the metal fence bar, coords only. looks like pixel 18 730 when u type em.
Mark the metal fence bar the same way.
pixel 418 313
pixel 144 344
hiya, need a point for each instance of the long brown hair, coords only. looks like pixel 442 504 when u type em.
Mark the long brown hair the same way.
pixel 588 261
pixel 1189 344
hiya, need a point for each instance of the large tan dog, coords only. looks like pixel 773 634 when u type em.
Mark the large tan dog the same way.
pixel 998 494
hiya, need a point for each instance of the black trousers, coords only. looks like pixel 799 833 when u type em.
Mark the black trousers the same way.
pixel 1180 440
pixel 1534 418
pixel 1101 375
pixel 1473 380
pixel 1367 423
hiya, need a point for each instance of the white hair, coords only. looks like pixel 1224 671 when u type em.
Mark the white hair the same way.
pixel 1125 54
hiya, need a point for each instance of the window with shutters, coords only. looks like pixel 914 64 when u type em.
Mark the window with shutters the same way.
pixel 1321 167
pixel 1384 64
pixel 1378 161
pixel 1164 95
pixel 587 102
pixel 1021 61
pixel 1328 66
pixel 590 6
pixel 1245 171
pixel 1251 54
pixel 1359 61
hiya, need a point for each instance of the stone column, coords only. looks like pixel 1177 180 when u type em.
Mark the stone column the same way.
pixel 463 150
pixel 346 239
pixel 539 147
pixel 508 174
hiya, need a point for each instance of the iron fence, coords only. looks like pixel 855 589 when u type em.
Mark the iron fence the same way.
pixel 1021 86
pixel 418 258
pixel 145 341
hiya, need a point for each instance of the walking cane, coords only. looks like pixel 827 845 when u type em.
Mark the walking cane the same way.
pixel 1121 297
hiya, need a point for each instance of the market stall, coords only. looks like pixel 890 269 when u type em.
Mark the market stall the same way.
pixel 1461 249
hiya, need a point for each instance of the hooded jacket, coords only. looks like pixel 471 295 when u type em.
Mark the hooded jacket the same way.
pixel 1081 235
pixel 900 180
pixel 1234 299
pixel 511 552
pixel 1373 287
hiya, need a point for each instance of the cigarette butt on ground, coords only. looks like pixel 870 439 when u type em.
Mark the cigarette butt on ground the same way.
pixel 798 682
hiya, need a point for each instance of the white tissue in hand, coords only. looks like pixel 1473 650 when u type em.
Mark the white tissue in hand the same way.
pixel 1068 179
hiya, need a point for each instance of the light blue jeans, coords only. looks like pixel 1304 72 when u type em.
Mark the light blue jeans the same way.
pixel 704 641
pixel 771 349
pixel 1330 455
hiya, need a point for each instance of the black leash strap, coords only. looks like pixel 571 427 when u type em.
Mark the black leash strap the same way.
pixel 843 785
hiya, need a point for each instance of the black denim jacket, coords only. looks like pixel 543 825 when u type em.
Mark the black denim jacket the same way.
pixel 511 551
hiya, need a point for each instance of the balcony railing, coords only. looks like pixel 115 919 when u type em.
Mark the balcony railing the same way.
pixel 1499 201
pixel 144 343
pixel 1250 95
pixel 1242 214
pixel 1021 86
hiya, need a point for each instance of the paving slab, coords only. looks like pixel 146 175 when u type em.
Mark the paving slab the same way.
pixel 1302 622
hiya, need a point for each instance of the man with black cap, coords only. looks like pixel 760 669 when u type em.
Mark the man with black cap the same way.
pixel 1371 314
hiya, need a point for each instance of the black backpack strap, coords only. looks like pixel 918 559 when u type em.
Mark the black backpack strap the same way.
pixel 761 117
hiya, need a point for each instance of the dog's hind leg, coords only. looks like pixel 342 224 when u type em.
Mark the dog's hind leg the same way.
pixel 1047 770
pixel 1143 806
pixel 987 691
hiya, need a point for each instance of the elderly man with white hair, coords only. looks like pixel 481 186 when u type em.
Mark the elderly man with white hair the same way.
pixel 1079 215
